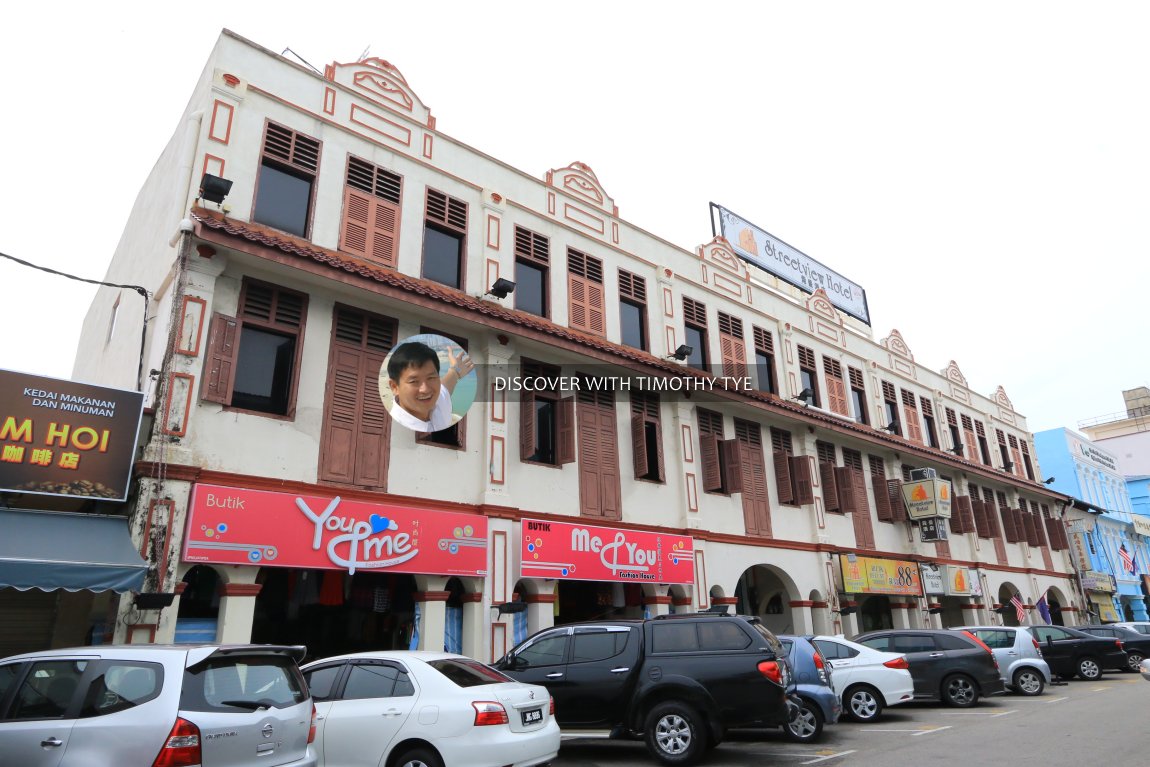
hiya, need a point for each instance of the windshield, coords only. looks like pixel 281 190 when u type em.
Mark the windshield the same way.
pixel 468 673
pixel 772 641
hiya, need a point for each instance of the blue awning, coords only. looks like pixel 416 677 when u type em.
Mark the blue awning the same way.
pixel 76 552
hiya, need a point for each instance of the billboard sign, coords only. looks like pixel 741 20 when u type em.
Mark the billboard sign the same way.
pixel 587 553
pixel 927 498
pixel 868 575
pixel 764 250
pixel 235 526
pixel 61 437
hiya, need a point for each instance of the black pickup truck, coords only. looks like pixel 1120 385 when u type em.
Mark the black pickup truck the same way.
pixel 678 681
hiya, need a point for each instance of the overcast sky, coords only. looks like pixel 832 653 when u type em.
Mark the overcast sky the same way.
pixel 980 169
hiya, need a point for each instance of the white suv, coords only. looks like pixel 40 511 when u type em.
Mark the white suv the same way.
pixel 215 706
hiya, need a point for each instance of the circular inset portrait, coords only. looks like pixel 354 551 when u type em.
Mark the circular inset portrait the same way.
pixel 427 383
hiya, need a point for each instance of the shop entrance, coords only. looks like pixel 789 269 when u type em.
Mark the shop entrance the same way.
pixel 874 614
pixel 594 600
pixel 198 616
pixel 332 612
pixel 952 611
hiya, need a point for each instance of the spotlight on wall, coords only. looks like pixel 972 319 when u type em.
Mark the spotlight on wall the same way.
pixel 682 353
pixel 892 427
pixel 957 450
pixel 509 608
pixel 1008 466
pixel 806 395
pixel 934 610
pixel 154 601
pixel 1048 480
pixel 501 289
pixel 848 610
pixel 214 189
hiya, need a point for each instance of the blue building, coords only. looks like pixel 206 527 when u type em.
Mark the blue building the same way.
pixel 1117 542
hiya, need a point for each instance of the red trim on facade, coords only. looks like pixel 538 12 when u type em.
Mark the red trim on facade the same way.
pixel 540 599
pixel 972 606
pixel 903 605
pixel 725 600
pixel 216 111
pixel 431 596
pixel 658 600
pixel 681 601
pixel 239 589
pixel 475 597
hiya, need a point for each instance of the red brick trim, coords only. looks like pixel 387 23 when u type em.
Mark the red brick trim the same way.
pixel 240 589
pixel 657 600
pixel 903 606
pixel 472 598
pixel 431 596
pixel 974 606
pixel 725 600
pixel 681 601
pixel 179 589
pixel 539 599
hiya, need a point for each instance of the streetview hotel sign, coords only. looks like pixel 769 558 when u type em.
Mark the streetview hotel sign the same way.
pixel 771 254
pixel 229 525
pixel 570 552
pixel 61 437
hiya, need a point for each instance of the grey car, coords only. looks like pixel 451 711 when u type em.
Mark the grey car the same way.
pixel 1019 657
pixel 213 705
pixel 952 666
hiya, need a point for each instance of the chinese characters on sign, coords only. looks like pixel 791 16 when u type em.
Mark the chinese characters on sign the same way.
pixel 65 438
pixel 867 575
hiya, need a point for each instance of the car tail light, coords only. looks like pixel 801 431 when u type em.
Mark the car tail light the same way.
pixel 182 748
pixel 1036 645
pixel 899 662
pixel 551 708
pixel 772 670
pixel 1119 643
pixel 311 732
pixel 821 666
pixel 489 712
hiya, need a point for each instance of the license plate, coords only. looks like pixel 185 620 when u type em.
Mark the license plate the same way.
pixel 532 716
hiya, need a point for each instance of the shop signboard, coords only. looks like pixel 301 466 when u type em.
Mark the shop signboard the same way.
pixel 571 552
pixel 1141 524
pixel 933 579
pixel 66 438
pixel 236 526
pixel 960 581
pixel 1092 580
pixel 927 498
pixel 1081 558
pixel 868 575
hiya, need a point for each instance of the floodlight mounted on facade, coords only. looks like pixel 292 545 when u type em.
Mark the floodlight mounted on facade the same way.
pixel 502 288
pixel 214 189
pixel 682 353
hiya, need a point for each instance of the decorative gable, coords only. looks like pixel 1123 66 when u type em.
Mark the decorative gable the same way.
pixel 723 270
pixel 959 388
pixel 585 202
pixel 382 83
pixel 899 354
pixel 825 320
pixel 1001 399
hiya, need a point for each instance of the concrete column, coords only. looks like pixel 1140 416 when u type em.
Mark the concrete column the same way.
pixel 801 620
pixel 683 604
pixel 540 609
pixel 1138 605
pixel 900 614
pixel 432 618
pixel 237 611
pixel 974 614
pixel 731 602
pixel 657 605
pixel 473 625
pixel 848 624
pixel 934 621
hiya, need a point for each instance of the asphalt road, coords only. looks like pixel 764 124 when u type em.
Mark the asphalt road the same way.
pixel 1082 723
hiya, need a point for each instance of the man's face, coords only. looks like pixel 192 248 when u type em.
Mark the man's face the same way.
pixel 417 389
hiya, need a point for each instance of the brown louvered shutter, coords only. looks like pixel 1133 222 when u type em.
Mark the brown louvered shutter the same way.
pixel 639 445
pixel 527 425
pixel 756 504
pixel 910 417
pixel 531 246
pixel 764 341
pixel 590 490
pixel 879 490
pixel 1039 528
pixel 827 460
pixel 356 426
pixel 1029 526
pixel 710 437
pixel 644 410
pixel 371 213
pixel 565 430
pixel 598 454
pixel 894 494
pixel 732 346
pixel 780 456
pixel 806 357
pixel 292 148
pixel 632 286
pixel 585 292
pixel 732 465
pixel 220 362
pixel 844 482
pixel 961 515
pixel 836 387
pixel 1015 456
pixel 446 211
pixel 804 480
pixel 981 526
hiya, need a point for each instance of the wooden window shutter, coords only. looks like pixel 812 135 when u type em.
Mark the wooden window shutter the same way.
pixel 291 148
pixel 980 523
pixel 370 226
pixel 694 312
pixel 836 388
pixel 639 455
pixel 894 496
pixel 845 489
pixel 565 430
pixel 910 417
pixel 803 480
pixel 585 293
pixel 526 425
pixel 828 477
pixel 879 490
pixel 1039 528
pixel 732 346
pixel 223 347
pixel 1028 524
pixel 806 357
pixel 532 247
pixel 960 514
pixel 446 211
pixel 733 479
pixel 709 453
pixel 783 482
pixel 764 341
pixel 632 286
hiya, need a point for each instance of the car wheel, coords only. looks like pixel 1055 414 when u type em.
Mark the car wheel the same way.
pixel 1089 669
pixel 675 733
pixel 1134 659
pixel 419 757
pixel 863 704
pixel 959 691
pixel 807 726
pixel 1027 681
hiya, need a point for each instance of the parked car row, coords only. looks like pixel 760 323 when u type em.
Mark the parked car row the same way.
pixel 677 682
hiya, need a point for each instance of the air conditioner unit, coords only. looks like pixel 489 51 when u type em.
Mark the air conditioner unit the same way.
pixel 917 475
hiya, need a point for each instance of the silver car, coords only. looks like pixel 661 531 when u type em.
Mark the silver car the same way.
pixel 215 706
pixel 1019 657
pixel 1142 627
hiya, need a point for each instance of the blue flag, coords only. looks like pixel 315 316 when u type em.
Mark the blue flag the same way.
pixel 1043 608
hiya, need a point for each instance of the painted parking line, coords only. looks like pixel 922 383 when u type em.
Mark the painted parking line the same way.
pixel 819 756
pixel 1099 689
pixel 924 730
pixel 978 713
pixel 1041 700
pixel 824 757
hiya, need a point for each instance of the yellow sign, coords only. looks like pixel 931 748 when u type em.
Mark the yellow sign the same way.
pixel 927 498
pixel 1105 609
pixel 867 575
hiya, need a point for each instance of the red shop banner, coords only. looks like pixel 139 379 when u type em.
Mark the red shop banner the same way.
pixel 233 526
pixel 586 553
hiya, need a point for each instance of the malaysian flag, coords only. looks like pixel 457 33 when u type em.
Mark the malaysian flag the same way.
pixel 1043 608
pixel 1128 563
pixel 1019 608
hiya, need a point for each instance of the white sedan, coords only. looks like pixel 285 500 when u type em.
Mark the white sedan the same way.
pixel 867 680
pixel 427 709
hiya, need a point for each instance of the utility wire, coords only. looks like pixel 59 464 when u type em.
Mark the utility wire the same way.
pixel 138 288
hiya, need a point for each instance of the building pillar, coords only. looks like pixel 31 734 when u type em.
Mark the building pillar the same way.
pixel 973 614
pixel 900 614
pixel 432 618
pixel 934 620
pixel 540 610
pixel 472 625
pixel 1138 606
pixel 731 602
pixel 801 619
pixel 848 624
pixel 683 604
pixel 657 604
pixel 237 611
